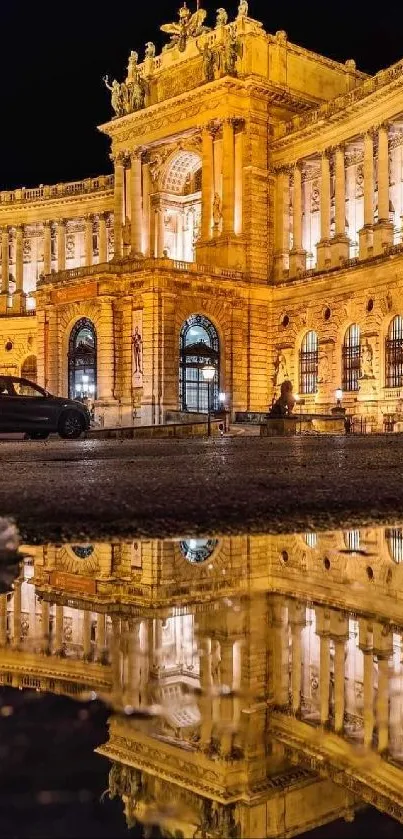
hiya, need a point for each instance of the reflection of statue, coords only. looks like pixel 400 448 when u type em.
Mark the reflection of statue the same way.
pixel 232 51
pixel 284 405
pixel 323 369
pixel 189 26
pixel 217 212
pixel 150 50
pixel 243 8
pixel 137 342
pixel 222 17
pixel 366 371
pixel 280 370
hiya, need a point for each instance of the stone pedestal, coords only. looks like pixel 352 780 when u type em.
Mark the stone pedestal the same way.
pixel 222 252
pixel 323 255
pixel 367 390
pixel 19 302
pixel 3 302
pixel 339 250
pixel 297 262
pixel 366 239
pixel 383 236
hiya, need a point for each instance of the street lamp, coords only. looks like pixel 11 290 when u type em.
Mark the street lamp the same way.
pixel 208 372
pixel 339 396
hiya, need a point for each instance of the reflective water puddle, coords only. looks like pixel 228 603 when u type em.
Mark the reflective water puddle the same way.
pixel 242 686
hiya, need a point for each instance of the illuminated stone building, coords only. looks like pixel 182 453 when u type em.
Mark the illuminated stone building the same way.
pixel 254 219
pixel 270 711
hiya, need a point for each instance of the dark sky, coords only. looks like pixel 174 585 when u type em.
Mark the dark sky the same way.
pixel 53 56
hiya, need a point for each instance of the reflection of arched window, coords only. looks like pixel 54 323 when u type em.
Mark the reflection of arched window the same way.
pixel 352 540
pixel 311 539
pixel 351 358
pixel 82 551
pixel 308 364
pixel 394 538
pixel 394 353
pixel 199 345
pixel 198 550
pixel 83 360
pixel 29 369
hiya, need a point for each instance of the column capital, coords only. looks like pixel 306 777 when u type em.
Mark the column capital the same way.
pixel 89 217
pixel 137 153
pixel 61 222
pixel 19 228
pixel 327 153
pixel 47 223
pixel 120 158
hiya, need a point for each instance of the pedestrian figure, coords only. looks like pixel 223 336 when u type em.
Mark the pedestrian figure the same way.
pixel 347 424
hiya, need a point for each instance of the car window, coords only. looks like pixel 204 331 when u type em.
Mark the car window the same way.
pixel 6 387
pixel 27 389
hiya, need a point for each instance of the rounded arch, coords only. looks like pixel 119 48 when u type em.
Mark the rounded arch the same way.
pixel 29 368
pixel 82 360
pixel 199 346
pixel 309 363
pixel 181 169
pixel 351 361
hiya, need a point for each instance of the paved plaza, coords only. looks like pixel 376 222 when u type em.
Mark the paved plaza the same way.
pixel 59 490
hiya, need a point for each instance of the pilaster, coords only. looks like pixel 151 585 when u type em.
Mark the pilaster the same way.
pixel 119 163
pixel 282 224
pixel 340 243
pixel 323 246
pixel 136 203
pixel 297 253
pixel 383 230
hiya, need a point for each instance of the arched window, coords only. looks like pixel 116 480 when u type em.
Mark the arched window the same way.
pixel 199 346
pixel 29 369
pixel 351 358
pixel 394 538
pixel 308 364
pixel 83 360
pixel 198 550
pixel 394 353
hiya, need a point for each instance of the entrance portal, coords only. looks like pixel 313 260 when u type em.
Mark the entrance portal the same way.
pixel 83 361
pixel 199 346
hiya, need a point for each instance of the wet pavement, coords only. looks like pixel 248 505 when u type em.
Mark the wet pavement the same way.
pixel 57 489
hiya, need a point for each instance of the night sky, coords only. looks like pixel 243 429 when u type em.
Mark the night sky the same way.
pixel 53 57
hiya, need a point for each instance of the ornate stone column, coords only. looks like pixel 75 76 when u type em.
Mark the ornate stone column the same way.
pixel 119 162
pixel 365 644
pixel 161 233
pixel 88 240
pixel 86 634
pixel 226 702
pixel 207 183
pixel 340 243
pixel 103 241
pixel 282 223
pixel 297 254
pixel 383 230
pixel 228 178
pixel 296 617
pixel 58 640
pixel 61 245
pixel 101 637
pixel 365 235
pixel 45 623
pixel 19 258
pixel 205 703
pixel 47 247
pixel 136 208
pixel 339 634
pixel 323 247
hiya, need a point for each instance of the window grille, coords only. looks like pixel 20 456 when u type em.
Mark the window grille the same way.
pixel 308 364
pixel 394 353
pixel 351 358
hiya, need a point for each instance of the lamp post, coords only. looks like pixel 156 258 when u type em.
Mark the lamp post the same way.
pixel 208 372
pixel 339 396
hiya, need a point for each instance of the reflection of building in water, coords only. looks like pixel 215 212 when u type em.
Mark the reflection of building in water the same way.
pixel 261 669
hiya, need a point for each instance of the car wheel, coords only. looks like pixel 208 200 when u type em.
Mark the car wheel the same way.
pixel 38 435
pixel 71 425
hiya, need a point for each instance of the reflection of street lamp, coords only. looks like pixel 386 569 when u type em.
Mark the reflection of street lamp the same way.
pixel 208 375
pixel 300 401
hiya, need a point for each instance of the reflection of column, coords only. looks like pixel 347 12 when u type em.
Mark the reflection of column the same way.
pixel 322 629
pixel 157 646
pixel 226 702
pixel 89 247
pixel 17 614
pixel 61 245
pixel 228 177
pixel 5 268
pixel 280 653
pixel 136 203
pixel 47 247
pixel 118 204
pixel 103 242
pixel 382 704
pixel 282 223
pixel 45 621
pixel 3 620
pixel 205 685
pixel 58 645
pixel 115 659
pixel 19 258
pixel 383 230
pixel 207 183
pixel 366 645
pixel 339 684
pixel 296 613
pixel 101 636
pixel 86 634
pixel 323 245
pixel 297 254
pixel 133 655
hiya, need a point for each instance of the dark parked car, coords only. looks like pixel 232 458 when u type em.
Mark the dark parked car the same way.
pixel 26 407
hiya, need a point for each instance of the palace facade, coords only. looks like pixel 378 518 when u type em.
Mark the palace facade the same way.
pixel 253 221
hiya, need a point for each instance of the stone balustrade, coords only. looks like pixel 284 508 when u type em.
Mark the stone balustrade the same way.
pixel 62 190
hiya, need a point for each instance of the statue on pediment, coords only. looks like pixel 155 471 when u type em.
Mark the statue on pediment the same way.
pixel 222 17
pixel 189 26
pixel 232 51
pixel 118 96
pixel 243 8
pixel 150 50
pixel 209 62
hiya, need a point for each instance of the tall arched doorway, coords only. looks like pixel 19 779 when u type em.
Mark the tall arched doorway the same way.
pixel 199 345
pixel 29 369
pixel 83 360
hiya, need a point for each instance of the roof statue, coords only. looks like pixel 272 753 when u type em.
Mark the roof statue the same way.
pixel 189 26
pixel 128 96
